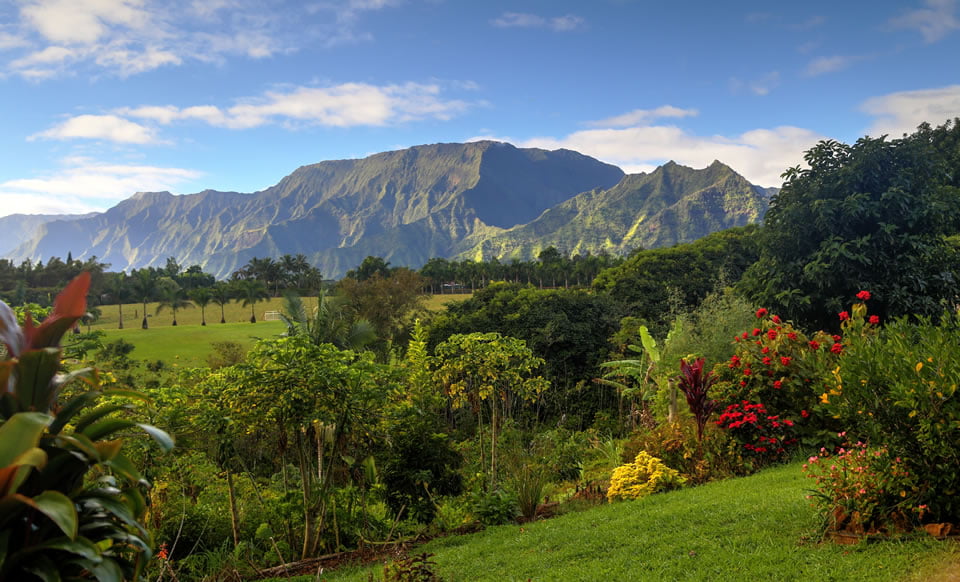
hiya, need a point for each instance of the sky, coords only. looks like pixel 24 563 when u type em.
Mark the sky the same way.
pixel 101 99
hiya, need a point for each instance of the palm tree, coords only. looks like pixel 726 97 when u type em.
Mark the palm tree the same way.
pixel 202 296
pixel 171 295
pixel 116 286
pixel 329 323
pixel 251 292
pixel 221 294
pixel 144 287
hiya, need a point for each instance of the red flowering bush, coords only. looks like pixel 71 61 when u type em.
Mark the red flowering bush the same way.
pixel 763 437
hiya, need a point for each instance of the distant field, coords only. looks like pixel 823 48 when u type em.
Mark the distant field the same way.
pixel 188 344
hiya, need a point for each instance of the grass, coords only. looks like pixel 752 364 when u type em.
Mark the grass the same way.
pixel 754 528
pixel 188 344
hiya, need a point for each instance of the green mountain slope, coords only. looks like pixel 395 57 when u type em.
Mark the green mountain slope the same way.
pixel 673 204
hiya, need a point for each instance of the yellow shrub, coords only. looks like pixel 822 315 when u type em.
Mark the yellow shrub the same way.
pixel 645 475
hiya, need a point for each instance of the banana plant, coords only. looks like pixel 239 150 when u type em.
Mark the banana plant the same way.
pixel 638 370
pixel 70 500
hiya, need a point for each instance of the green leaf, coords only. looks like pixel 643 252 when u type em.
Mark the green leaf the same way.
pixel 20 433
pixel 35 388
pixel 59 508
pixel 161 437
pixel 71 408
pixel 98 413
pixel 44 570
pixel 81 547
pixel 105 428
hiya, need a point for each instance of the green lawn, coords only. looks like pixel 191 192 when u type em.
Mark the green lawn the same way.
pixel 189 343
pixel 753 528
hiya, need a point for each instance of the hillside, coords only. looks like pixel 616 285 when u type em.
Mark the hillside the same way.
pixel 673 204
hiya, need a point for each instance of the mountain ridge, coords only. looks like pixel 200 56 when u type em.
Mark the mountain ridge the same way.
pixel 476 199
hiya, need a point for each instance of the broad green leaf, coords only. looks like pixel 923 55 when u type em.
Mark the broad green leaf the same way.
pixel 80 546
pixel 122 465
pixel 35 389
pixel 20 433
pixel 71 408
pixel 649 344
pixel 98 413
pixel 107 427
pixel 59 508
pixel 44 570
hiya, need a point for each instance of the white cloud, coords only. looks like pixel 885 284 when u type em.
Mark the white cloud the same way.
pixel 103 127
pixel 760 155
pixel 85 185
pixel 899 113
pixel 523 20
pixel 832 64
pixel 643 116
pixel 127 37
pixel 937 20
pixel 345 105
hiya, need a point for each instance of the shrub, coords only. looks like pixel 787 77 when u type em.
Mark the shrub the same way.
pixel 496 507
pixel 763 437
pixel 898 387
pixel 860 489
pixel 645 475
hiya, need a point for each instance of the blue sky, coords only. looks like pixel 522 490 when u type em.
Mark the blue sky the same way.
pixel 104 98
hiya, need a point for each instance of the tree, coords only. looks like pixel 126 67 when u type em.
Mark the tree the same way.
pixel 251 292
pixel 480 368
pixel 201 297
pixel 386 302
pixel 221 294
pixel 171 297
pixel 144 288
pixel 868 216
pixel 116 286
pixel 369 267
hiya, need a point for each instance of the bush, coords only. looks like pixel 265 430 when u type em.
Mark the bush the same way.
pixel 644 476
pixel 898 388
pixel 861 489
pixel 497 507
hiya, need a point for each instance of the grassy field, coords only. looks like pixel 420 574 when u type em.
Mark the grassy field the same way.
pixel 755 528
pixel 189 343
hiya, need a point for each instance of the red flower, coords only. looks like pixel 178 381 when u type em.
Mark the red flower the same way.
pixel 743 383
pixel 765 350
pixel 804 413
pixel 772 334
pixel 792 336
pixel 744 335
pixel 785 361
pixel 756 331
pixel 875 319
pixel 761 312
pixel 747 372
pixel 778 384
pixel 776 319
pixel 814 345
pixel 844 316
pixel 767 361
pixel 837 338
pixel 837 348
pixel 863 295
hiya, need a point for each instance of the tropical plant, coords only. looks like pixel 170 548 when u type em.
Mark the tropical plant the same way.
pixel 488 368
pixel 144 288
pixel 695 383
pixel 251 292
pixel 171 297
pixel 221 294
pixel 70 500
pixel 330 322
pixel 201 297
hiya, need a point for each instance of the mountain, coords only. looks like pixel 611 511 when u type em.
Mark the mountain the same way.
pixel 16 228
pixel 406 206
pixel 673 204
